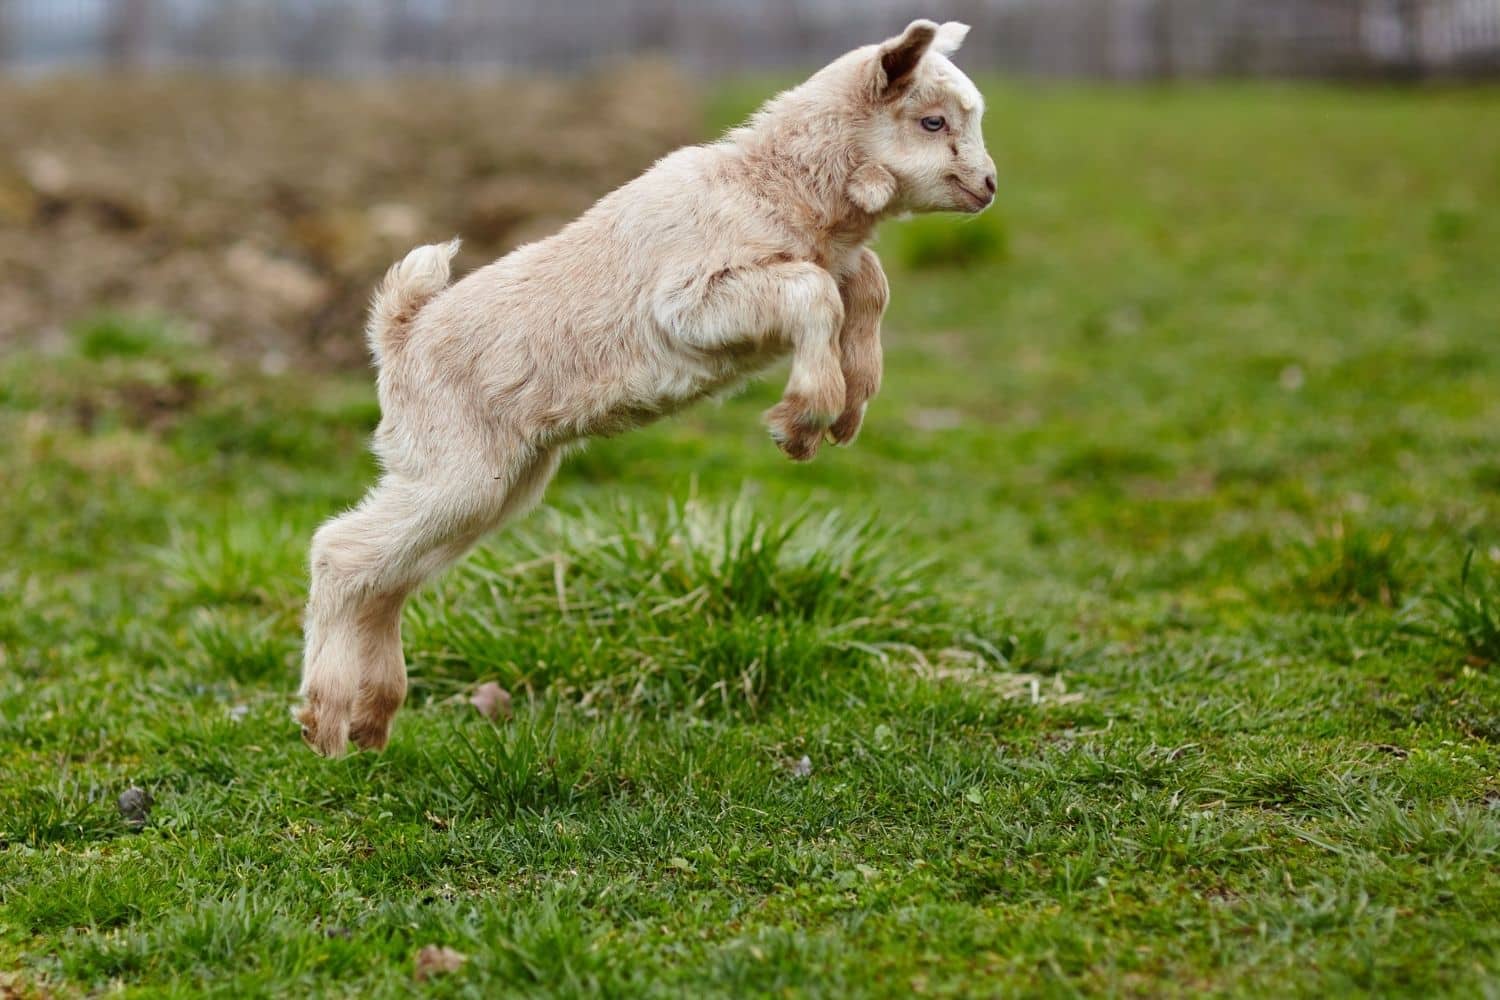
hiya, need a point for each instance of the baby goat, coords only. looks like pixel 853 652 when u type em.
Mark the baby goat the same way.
pixel 717 261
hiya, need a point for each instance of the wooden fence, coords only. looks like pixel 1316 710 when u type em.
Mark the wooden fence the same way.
pixel 1108 39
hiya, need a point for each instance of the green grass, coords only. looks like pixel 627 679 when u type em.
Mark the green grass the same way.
pixel 1145 644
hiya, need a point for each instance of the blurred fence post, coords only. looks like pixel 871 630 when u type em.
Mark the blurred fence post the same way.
pixel 127 34
pixel 402 38
pixel 1163 40
pixel 1411 16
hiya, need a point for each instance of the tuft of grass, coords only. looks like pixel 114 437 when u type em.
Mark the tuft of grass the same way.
pixel 65 810
pixel 247 650
pixel 1466 614
pixel 716 606
pixel 1351 565
pixel 537 763
pixel 234 560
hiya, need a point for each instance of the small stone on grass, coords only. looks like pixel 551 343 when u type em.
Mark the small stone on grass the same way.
pixel 438 960
pixel 135 806
pixel 492 700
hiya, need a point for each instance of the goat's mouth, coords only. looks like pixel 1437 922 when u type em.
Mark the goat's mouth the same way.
pixel 977 202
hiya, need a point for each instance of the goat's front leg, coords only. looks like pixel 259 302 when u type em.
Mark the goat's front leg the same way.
pixel 865 294
pixel 814 395
pixel 795 303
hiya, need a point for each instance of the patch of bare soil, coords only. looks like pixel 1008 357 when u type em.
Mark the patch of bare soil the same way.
pixel 261 213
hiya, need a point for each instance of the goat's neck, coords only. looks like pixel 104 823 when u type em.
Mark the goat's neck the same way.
pixel 806 186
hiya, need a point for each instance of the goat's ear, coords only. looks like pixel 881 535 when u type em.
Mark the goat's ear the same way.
pixel 950 35
pixel 899 56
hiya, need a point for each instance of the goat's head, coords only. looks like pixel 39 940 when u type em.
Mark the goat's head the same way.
pixel 916 123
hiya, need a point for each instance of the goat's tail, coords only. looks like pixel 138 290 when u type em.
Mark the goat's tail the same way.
pixel 406 288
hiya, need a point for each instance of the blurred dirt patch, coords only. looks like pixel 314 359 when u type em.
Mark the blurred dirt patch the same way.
pixel 261 213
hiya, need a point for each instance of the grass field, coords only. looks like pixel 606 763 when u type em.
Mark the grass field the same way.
pixel 1145 643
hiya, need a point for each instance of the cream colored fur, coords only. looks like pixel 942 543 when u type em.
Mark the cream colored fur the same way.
pixel 717 261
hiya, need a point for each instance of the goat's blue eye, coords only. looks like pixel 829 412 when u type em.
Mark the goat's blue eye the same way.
pixel 934 123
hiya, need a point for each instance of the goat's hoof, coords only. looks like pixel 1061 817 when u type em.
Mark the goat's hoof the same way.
pixel 371 736
pixel 373 713
pixel 796 428
pixel 846 428
pixel 801 446
pixel 325 731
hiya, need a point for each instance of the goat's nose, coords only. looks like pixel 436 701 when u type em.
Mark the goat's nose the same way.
pixel 989 183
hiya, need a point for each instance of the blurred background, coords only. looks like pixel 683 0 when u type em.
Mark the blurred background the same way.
pixel 257 204
pixel 248 167
pixel 1111 39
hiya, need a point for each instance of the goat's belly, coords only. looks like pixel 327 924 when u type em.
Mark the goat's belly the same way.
pixel 716 375
pixel 663 389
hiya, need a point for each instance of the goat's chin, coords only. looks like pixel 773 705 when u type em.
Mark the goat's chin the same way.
pixel 967 201
pixel 943 202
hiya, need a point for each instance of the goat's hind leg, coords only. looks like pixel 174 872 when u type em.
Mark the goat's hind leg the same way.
pixel 364 565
